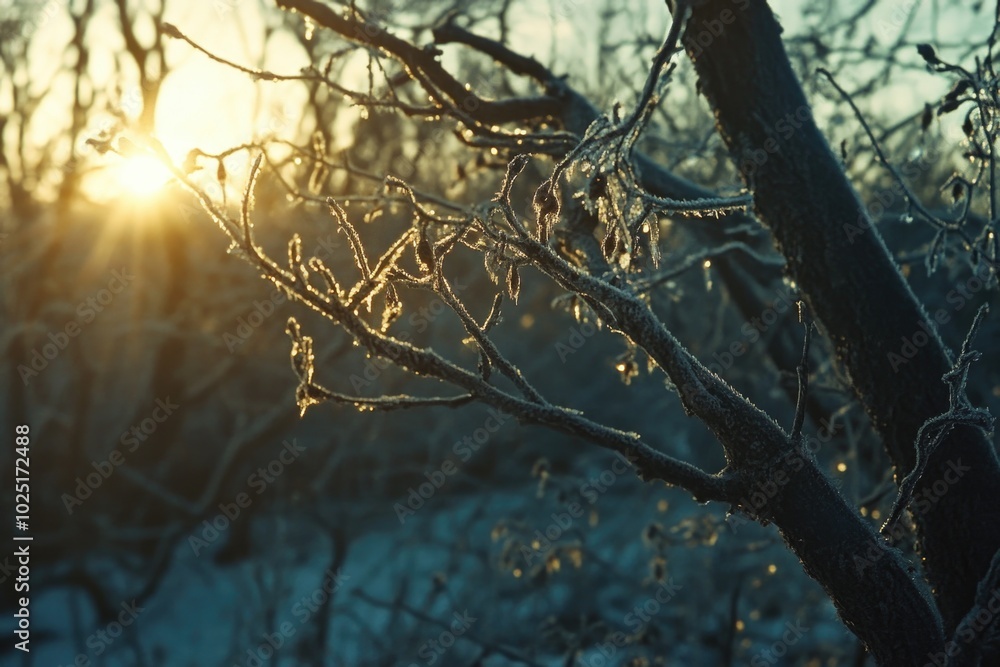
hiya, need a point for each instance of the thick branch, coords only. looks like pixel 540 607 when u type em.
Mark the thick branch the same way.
pixel 423 65
pixel 837 547
pixel 849 280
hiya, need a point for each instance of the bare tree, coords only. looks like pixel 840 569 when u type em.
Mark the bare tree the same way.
pixel 592 227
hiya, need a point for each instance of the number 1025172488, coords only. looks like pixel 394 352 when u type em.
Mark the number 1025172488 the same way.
pixel 22 498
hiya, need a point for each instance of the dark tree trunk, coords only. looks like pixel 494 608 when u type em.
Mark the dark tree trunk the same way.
pixel 850 282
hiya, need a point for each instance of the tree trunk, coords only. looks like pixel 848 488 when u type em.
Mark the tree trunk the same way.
pixel 850 282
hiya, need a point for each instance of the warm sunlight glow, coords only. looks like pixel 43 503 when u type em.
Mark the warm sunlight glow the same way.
pixel 142 175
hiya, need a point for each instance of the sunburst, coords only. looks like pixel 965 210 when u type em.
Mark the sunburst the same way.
pixel 141 175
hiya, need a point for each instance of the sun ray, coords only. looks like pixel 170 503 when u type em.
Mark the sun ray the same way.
pixel 141 175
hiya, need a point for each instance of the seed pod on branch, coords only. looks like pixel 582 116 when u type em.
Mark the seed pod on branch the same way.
pixel 513 282
pixel 424 251
pixel 546 205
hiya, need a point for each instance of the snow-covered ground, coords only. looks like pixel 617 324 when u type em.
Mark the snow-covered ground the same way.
pixel 628 570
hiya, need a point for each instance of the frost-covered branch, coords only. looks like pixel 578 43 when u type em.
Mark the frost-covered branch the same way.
pixel 329 300
pixel 596 194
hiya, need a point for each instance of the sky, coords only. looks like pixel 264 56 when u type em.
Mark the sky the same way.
pixel 560 31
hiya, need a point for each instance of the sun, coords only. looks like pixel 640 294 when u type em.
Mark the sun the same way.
pixel 141 175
